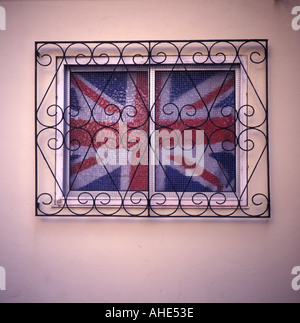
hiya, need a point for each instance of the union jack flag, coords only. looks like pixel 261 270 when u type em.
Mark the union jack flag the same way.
pixel 101 102
pixel 198 100
pixel 184 100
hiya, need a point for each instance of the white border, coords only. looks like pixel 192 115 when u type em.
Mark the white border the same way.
pixel 239 65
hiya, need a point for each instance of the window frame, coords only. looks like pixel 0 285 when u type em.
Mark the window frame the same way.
pixel 215 199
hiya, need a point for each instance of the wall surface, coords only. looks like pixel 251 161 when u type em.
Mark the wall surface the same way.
pixel 147 260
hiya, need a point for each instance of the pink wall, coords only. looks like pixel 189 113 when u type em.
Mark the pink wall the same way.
pixel 147 260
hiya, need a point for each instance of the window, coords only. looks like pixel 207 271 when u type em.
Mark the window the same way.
pixel 150 132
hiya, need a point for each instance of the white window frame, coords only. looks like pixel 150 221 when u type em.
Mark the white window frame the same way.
pixel 215 199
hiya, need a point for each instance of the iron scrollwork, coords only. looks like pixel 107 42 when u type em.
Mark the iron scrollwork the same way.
pixel 244 131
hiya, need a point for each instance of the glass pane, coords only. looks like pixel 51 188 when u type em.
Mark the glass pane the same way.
pixel 108 131
pixel 188 103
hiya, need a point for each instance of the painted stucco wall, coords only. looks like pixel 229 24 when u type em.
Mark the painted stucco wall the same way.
pixel 147 260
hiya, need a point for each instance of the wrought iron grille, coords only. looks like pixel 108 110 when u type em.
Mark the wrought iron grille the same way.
pixel 152 128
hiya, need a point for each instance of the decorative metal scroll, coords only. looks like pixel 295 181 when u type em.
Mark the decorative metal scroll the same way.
pixel 190 117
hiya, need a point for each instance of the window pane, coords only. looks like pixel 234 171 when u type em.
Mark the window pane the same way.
pixel 186 102
pixel 106 110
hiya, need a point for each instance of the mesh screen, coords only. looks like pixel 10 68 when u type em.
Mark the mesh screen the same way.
pixel 197 100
